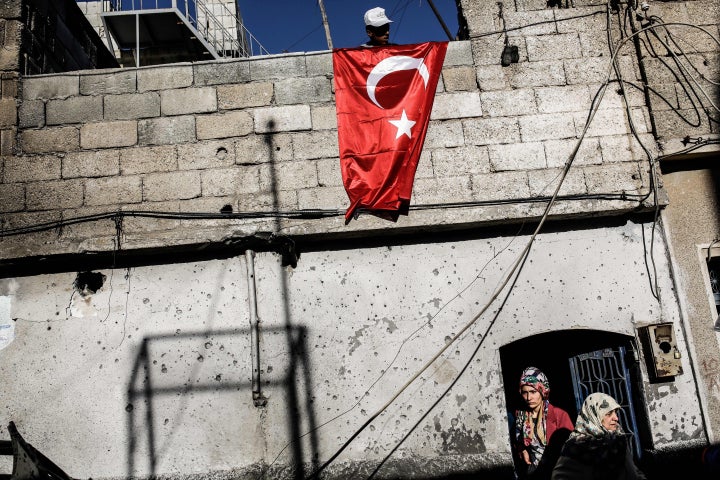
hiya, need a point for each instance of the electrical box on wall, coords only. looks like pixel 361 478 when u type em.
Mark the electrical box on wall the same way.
pixel 661 353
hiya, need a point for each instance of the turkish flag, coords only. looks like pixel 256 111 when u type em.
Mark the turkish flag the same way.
pixel 383 98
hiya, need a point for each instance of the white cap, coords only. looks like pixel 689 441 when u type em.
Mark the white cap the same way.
pixel 375 17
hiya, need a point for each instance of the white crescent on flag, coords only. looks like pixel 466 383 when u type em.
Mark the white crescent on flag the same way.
pixel 394 64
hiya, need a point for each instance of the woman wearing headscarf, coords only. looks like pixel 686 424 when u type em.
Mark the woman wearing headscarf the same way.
pixel 598 448
pixel 540 428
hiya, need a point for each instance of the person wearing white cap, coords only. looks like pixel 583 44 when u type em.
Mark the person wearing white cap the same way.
pixel 377 27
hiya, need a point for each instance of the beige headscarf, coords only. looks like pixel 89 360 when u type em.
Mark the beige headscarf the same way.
pixel 589 421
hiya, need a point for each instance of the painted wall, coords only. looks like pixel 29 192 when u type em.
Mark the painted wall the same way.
pixel 160 355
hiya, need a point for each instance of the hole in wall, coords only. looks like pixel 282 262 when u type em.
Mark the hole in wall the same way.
pixel 87 283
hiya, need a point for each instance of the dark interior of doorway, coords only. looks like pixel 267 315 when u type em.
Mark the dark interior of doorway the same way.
pixel 550 353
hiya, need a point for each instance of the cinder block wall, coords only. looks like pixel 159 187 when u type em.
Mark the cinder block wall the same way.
pixel 260 135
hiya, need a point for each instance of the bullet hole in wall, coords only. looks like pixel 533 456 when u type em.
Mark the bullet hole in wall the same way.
pixel 221 153
pixel 87 283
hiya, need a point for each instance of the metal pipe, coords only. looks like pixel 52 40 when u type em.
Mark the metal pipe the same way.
pixel 442 22
pixel 325 24
pixel 258 399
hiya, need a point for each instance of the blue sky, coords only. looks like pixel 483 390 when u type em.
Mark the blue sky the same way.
pixel 296 25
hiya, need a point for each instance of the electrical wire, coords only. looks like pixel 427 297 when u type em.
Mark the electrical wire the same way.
pixel 507 279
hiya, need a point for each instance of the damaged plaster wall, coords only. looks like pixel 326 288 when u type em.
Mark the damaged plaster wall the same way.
pixel 158 382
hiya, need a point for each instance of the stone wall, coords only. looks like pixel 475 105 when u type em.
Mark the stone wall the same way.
pixel 260 135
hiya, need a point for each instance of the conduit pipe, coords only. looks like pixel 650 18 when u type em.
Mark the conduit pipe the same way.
pixel 258 399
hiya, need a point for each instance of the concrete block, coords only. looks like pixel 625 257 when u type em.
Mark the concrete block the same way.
pixel 444 134
pixel 164 77
pixel 222 125
pixel 188 100
pixel 12 197
pixel 83 109
pixel 166 130
pixel 456 105
pixel 591 19
pixel 558 152
pixel 256 94
pixel 517 156
pixel 310 145
pixel 121 133
pixel 703 12
pixel 101 163
pixel 570 98
pixel 448 162
pixel 624 148
pixel 587 70
pixel 113 191
pixel 329 174
pixel 592 44
pixel 543 183
pixel 31 168
pixel 7 141
pixel 441 190
pixel 221 72
pixel 148 159
pixel 546 126
pixel 31 113
pixel 324 117
pixel 611 121
pixel 11 9
pixel 240 180
pixel 613 178
pixel 132 106
pixel 287 200
pixel 54 195
pixel 459 79
pixel 206 155
pixel 286 66
pixel 425 167
pixel 61 139
pixel 500 186
pixel 282 119
pixel 158 187
pixel 509 103
pixel 8 112
pixel 523 23
pixel 458 54
pixel 99 82
pixel 290 176
pixel 553 47
pixel 256 149
pixel 531 5
pixel 48 87
pixel 488 50
pixel 319 64
pixel 537 74
pixel 293 91
pixel 486 131
pixel 493 77
pixel 330 198
pixel 9 84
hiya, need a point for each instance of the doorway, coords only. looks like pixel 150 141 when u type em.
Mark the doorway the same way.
pixel 563 356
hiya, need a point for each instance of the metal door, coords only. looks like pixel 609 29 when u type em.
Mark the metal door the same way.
pixel 605 371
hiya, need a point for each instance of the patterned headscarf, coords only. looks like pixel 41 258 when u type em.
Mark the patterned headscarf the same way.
pixel 535 378
pixel 589 421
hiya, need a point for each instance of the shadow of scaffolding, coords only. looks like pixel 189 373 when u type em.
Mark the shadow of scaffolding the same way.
pixel 150 431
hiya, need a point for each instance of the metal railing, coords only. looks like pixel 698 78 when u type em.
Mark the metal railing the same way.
pixel 228 41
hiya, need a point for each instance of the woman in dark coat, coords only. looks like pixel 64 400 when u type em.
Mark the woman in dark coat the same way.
pixel 540 428
pixel 598 448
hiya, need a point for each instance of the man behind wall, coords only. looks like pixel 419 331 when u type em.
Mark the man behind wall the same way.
pixel 377 27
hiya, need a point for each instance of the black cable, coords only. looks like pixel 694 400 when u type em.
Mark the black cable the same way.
pixel 309 214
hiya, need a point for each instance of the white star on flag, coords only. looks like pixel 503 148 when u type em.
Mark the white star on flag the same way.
pixel 403 125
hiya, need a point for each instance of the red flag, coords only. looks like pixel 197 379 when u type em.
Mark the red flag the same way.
pixel 383 97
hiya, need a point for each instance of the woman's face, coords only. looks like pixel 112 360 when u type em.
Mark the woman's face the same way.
pixel 532 397
pixel 611 421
